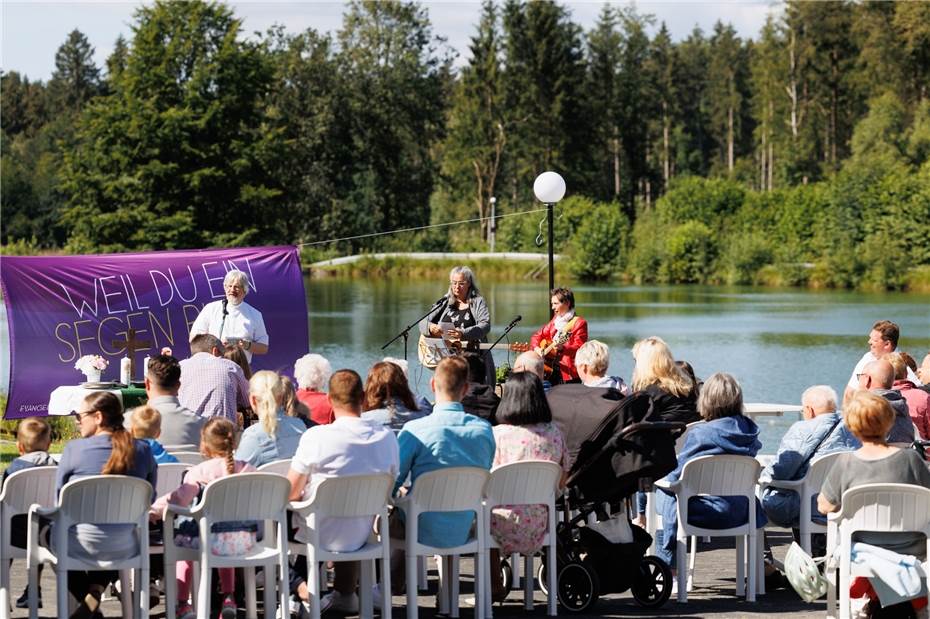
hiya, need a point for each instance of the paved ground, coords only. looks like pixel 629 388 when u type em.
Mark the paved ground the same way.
pixel 713 594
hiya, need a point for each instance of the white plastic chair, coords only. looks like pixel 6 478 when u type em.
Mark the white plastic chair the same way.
pixel 719 475
pixel 170 476
pixel 530 482
pixel 452 489
pixel 807 487
pixel 243 496
pixel 352 496
pixel 188 457
pixel 278 467
pixel 100 500
pixel 870 507
pixel 35 486
pixel 653 520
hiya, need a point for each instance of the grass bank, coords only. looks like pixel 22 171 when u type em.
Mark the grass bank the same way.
pixel 415 268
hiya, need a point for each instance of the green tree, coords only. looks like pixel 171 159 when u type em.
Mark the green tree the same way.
pixel 725 91
pixel 180 155
pixel 76 78
pixel 116 61
pixel 23 107
pixel 395 82
pixel 474 147
pixel 768 78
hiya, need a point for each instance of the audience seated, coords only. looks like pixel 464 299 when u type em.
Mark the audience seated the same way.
pixel 878 377
pixel 870 418
pixel 211 385
pixel 388 399
pixel 726 431
pixel 480 399
pixel 105 448
pixel 524 432
pixel 293 406
pixel 145 425
pixel 532 362
pixel 918 400
pixel 348 446
pixel 820 432
pixel 311 373
pixel 924 373
pixel 447 437
pixel 592 360
pixel 179 425
pixel 883 339
pixel 276 435
pixel 424 405
pixel 672 391
pixel 217 445
pixel 33 438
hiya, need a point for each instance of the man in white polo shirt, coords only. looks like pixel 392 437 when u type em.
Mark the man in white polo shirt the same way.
pixel 883 339
pixel 348 446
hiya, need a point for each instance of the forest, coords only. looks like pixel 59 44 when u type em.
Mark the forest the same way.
pixel 798 157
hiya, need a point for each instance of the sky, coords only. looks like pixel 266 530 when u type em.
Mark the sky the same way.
pixel 33 30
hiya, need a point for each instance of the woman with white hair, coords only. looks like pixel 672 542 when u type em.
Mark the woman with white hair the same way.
pixel 465 315
pixel 234 321
pixel 312 373
pixel 592 361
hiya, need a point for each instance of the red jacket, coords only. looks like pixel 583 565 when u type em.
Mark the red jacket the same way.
pixel 579 335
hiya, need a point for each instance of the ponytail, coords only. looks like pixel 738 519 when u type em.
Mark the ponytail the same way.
pixel 218 438
pixel 123 452
pixel 269 392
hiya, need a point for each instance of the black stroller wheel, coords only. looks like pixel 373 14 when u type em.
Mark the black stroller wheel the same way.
pixel 506 575
pixel 653 585
pixel 542 577
pixel 578 586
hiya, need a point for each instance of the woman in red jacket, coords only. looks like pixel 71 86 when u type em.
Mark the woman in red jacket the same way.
pixel 561 337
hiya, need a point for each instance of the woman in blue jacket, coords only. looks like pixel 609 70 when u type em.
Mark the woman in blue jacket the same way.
pixel 727 431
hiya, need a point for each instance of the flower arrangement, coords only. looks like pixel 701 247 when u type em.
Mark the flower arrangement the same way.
pixel 91 364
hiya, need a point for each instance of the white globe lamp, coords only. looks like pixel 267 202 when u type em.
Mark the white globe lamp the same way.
pixel 549 187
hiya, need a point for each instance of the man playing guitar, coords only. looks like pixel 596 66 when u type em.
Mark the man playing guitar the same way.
pixel 559 339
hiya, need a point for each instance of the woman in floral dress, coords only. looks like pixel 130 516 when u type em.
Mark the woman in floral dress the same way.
pixel 524 432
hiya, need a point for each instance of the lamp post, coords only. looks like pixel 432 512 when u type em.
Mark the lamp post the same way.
pixel 492 229
pixel 549 188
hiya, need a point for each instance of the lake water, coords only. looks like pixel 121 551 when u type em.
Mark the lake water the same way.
pixel 776 342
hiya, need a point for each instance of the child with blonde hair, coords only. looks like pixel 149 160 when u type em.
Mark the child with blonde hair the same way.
pixel 33 438
pixel 217 444
pixel 145 425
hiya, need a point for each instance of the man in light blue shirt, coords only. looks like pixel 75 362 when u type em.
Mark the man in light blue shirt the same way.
pixel 447 437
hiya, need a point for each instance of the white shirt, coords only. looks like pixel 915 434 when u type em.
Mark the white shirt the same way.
pixel 868 358
pixel 242 321
pixel 347 446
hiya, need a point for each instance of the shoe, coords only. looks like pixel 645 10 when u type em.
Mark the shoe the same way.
pixel 340 603
pixel 185 611
pixel 23 600
pixel 230 609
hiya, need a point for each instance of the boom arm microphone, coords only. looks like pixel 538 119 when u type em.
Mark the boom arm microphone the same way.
pixel 514 322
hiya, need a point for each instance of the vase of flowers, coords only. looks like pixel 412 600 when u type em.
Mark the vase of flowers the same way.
pixel 91 366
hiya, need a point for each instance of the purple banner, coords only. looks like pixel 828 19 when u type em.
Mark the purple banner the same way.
pixel 60 308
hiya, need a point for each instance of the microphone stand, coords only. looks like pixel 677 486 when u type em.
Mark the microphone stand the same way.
pixel 406 332
pixel 504 334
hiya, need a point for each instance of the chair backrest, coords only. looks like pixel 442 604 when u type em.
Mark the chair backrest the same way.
pixel 352 496
pixel 188 457
pixel 720 475
pixel 27 487
pixel 278 467
pixel 818 472
pixel 523 483
pixel 246 496
pixel 452 489
pixel 885 507
pixel 170 476
pixel 680 441
pixel 105 499
pixel 182 447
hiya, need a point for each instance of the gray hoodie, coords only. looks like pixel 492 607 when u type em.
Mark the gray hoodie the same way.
pixel 903 429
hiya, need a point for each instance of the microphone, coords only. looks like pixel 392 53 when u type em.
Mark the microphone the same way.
pixel 441 300
pixel 514 322
pixel 225 303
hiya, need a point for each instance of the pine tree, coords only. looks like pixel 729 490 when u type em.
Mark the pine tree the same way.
pixel 76 78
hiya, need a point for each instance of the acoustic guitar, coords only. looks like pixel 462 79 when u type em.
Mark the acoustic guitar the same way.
pixel 550 352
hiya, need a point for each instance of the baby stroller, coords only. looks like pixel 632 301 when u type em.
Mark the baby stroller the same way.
pixel 617 447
